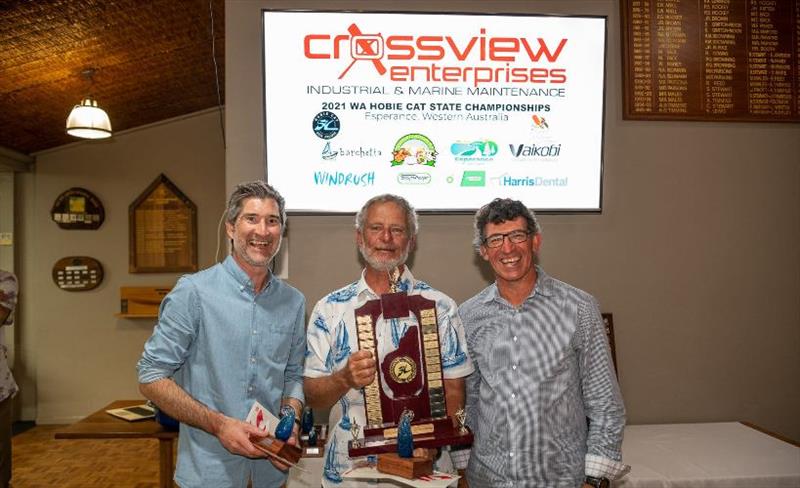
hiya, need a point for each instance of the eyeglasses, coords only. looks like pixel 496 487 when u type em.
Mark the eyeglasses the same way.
pixel 515 236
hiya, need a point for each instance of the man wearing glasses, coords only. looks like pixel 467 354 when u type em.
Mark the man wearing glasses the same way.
pixel 543 402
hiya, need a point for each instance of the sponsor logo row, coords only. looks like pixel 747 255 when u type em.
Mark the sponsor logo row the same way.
pixel 471 178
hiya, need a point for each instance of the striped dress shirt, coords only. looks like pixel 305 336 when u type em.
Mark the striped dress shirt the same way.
pixel 543 402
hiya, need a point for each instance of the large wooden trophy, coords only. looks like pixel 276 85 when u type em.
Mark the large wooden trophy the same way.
pixel 409 378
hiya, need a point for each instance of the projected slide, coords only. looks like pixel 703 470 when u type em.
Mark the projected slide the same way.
pixel 447 110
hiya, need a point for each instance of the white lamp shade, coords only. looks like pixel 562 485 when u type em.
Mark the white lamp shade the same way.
pixel 88 121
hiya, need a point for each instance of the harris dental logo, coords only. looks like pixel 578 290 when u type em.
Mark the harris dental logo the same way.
pixel 360 152
pixel 473 151
pixel 326 125
pixel 413 149
pixel 507 179
pixel 477 58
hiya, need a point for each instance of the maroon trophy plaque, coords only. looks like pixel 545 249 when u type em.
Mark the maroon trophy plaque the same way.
pixel 408 377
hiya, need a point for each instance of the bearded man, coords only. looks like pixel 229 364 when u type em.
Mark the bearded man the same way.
pixel 335 369
pixel 226 337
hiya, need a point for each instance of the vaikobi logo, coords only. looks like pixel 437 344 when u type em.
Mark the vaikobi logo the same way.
pixel 473 151
pixel 414 149
pixel 535 151
pixel 326 125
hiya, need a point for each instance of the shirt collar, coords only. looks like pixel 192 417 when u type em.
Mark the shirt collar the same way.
pixel 242 277
pixel 543 286
pixel 407 283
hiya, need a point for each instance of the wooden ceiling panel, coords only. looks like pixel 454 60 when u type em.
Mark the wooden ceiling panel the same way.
pixel 153 61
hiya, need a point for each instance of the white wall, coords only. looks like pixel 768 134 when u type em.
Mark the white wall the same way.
pixel 74 355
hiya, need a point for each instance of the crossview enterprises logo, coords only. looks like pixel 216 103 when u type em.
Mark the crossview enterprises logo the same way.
pixel 329 153
pixel 326 125
pixel 414 149
pixel 414 178
pixel 341 178
pixel 483 150
pixel 538 181
pixel 502 59
pixel 535 151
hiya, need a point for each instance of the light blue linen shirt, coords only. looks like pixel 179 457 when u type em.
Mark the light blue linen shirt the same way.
pixel 227 347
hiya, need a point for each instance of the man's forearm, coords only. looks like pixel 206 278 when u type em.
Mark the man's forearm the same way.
pixel 178 404
pixel 325 391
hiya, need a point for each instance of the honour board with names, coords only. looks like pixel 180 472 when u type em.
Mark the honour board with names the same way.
pixel 721 60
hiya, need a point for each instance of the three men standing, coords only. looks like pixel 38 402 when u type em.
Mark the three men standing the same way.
pixel 543 369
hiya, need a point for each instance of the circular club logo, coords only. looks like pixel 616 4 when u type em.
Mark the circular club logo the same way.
pixel 326 125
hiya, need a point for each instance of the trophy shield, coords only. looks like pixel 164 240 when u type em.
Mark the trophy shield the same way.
pixel 408 377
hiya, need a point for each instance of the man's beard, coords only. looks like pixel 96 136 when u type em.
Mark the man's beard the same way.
pixel 387 266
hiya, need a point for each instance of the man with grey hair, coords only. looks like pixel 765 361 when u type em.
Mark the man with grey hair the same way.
pixel 226 337
pixel 335 369
pixel 542 368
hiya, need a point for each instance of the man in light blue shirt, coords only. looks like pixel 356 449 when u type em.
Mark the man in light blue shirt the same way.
pixel 226 337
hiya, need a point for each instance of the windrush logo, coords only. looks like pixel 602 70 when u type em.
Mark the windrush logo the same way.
pixel 477 58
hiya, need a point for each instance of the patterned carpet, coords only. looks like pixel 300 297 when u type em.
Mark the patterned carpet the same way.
pixel 40 461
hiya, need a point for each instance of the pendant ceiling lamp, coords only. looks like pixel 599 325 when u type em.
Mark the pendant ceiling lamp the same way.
pixel 87 120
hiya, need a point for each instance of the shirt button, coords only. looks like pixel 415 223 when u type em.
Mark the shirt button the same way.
pixel 515 338
pixel 254 332
pixel 513 395
pixel 253 360
pixel 514 367
pixel 250 388
pixel 511 454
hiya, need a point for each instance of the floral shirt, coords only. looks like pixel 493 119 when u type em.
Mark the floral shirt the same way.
pixel 8 299
pixel 332 337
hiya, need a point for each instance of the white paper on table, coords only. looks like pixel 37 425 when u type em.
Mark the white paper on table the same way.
pixel 436 480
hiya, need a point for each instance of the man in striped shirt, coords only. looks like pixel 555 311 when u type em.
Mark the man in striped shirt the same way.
pixel 543 401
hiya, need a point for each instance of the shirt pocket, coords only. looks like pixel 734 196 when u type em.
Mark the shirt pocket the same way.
pixel 276 344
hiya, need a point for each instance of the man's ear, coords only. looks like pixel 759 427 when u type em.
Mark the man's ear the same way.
pixel 359 239
pixel 536 243
pixel 229 229
pixel 483 253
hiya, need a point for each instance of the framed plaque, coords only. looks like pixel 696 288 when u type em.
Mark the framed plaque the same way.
pixel 163 230
pixel 77 273
pixel 409 378
pixel 78 208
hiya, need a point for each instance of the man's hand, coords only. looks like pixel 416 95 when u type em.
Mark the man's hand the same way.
pixel 238 437
pixel 293 440
pixel 360 369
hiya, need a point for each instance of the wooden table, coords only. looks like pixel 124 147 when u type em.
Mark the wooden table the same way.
pixel 101 425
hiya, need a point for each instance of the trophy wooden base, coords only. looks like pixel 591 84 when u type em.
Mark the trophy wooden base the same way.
pixel 409 468
pixel 430 433
pixel 280 450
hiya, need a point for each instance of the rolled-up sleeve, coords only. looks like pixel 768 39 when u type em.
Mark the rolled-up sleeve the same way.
pixel 293 379
pixel 166 350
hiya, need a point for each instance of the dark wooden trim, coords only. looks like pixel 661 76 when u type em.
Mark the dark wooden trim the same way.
pixel 770 433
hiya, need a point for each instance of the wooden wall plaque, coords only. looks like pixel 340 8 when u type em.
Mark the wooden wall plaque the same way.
pixel 163 230
pixel 77 273
pixel 78 208
pixel 721 60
